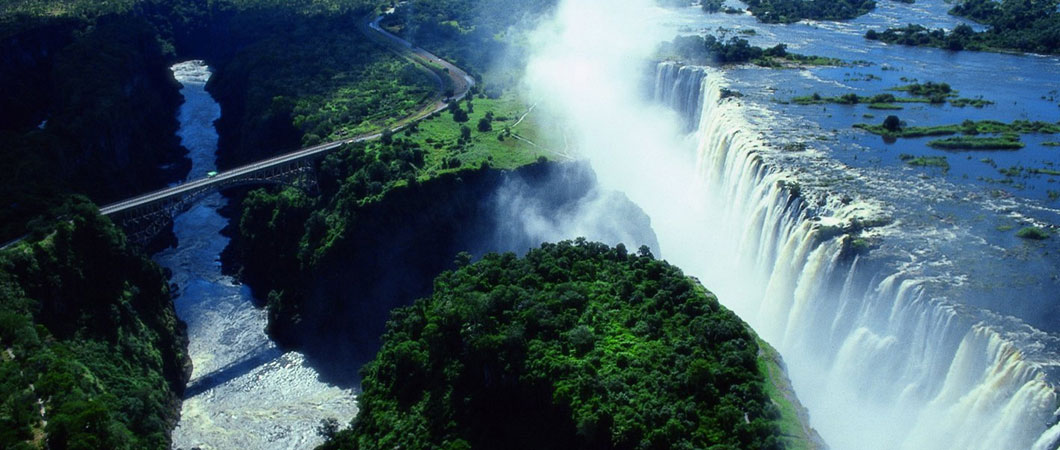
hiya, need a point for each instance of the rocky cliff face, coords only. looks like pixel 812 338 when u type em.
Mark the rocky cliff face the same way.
pixel 26 61
pixel 337 309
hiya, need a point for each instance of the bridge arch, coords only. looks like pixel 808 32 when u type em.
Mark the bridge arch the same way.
pixel 143 221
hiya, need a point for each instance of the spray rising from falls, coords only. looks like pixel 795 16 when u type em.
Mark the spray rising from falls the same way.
pixel 879 361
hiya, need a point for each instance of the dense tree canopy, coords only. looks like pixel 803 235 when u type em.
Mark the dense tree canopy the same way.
pixel 1023 25
pixel 576 345
pixel 90 341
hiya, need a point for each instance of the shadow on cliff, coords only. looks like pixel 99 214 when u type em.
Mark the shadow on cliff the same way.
pixel 416 233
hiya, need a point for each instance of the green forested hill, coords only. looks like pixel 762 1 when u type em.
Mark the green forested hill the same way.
pixel 89 341
pixel 576 345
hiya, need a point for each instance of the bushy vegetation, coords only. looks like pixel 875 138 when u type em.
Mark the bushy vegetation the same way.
pixel 484 37
pixel 790 11
pixel 967 128
pixel 280 233
pixel 1032 233
pixel 928 92
pixel 1021 25
pixel 736 50
pixel 925 161
pixel 290 233
pixel 712 6
pixel 89 340
pixel 607 349
pixel 315 80
pixel 1003 142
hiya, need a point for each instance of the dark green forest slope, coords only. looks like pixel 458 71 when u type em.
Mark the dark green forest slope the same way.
pixel 92 104
pixel 85 109
pixel 576 345
pixel 298 79
pixel 89 341
pixel 373 213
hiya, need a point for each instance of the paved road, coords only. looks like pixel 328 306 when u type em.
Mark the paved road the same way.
pixel 459 80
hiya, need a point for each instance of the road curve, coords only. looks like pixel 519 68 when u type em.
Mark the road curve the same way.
pixel 460 81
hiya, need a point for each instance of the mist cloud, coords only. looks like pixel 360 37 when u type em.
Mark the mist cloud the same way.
pixel 586 72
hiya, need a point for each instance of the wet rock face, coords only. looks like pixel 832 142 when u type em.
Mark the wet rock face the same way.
pixel 413 234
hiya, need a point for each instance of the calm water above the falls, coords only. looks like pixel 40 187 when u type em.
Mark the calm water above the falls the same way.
pixel 244 391
pixel 956 218
pixel 945 331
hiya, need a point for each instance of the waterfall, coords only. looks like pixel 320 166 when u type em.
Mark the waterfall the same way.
pixel 880 360
pixel 680 87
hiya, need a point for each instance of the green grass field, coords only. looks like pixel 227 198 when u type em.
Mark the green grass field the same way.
pixel 780 391
pixel 510 143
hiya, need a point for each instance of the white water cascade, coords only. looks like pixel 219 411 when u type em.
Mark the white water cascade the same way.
pixel 880 362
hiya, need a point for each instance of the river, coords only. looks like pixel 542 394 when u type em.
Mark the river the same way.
pixel 244 392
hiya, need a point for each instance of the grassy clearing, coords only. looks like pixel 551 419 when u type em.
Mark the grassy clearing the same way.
pixel 500 146
pixel 1006 142
pixel 779 389
pixel 911 100
pixel 1009 131
pixel 929 93
pixel 1045 172
pixel 909 132
pixel 925 161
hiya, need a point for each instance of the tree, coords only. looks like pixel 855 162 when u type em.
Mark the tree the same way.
pixel 892 123
pixel 465 133
pixel 712 6
pixel 462 259
pixel 779 51
pixel 459 115
pixel 484 125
